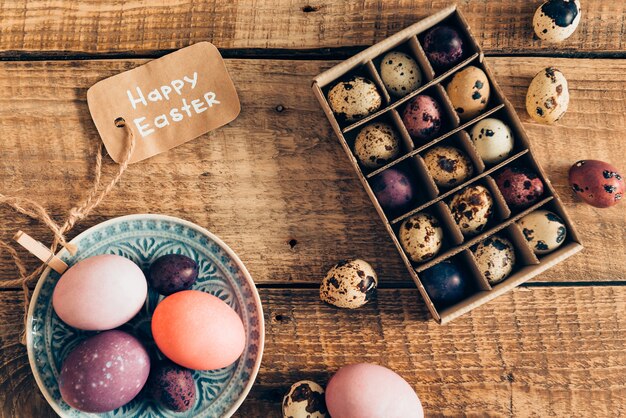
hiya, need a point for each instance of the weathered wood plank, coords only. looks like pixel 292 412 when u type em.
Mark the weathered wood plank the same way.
pixel 273 176
pixel 533 352
pixel 74 26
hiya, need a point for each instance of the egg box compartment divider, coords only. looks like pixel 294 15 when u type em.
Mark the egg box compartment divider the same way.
pixel 431 198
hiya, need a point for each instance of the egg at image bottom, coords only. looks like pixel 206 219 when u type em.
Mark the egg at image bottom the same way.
pixel 172 386
pixel 495 258
pixel 305 399
pixel 545 231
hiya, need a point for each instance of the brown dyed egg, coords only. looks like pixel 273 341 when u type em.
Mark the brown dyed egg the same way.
pixel 421 237
pixel 305 400
pixel 495 258
pixel 469 92
pixel 449 166
pixel 172 386
pixel 422 117
pixel 471 209
pixel 597 183
pixel 354 98
pixel 547 98
pixel 377 144
pixel 520 187
pixel 349 284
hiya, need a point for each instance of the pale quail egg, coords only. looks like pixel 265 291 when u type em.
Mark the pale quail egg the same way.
pixel 376 145
pixel 471 209
pixel 349 284
pixel 354 98
pixel 548 96
pixel 493 140
pixel 556 20
pixel 421 237
pixel 400 73
pixel 495 258
pixel 305 400
pixel 545 231
pixel 448 166
pixel 469 92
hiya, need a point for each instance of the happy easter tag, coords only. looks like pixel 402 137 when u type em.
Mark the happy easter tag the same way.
pixel 165 102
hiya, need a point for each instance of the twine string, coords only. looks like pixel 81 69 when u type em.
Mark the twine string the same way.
pixel 34 210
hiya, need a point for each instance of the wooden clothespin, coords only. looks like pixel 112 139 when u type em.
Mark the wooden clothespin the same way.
pixel 40 251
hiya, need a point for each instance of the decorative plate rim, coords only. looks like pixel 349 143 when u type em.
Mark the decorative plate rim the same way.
pixel 151 216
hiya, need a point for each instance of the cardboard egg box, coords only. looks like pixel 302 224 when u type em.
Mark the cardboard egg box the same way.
pixel 455 131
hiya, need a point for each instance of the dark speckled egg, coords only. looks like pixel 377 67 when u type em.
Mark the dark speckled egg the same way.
pixel 172 273
pixel 172 386
pixel 520 187
pixel 445 283
pixel 443 46
pixel 597 183
pixel 393 189
pixel 422 117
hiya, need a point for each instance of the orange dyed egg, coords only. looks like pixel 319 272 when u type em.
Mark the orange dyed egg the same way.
pixel 198 330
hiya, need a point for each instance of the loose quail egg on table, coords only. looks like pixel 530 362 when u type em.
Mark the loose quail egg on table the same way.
pixel 400 73
pixel 545 231
pixel 354 98
pixel 448 166
pixel 349 284
pixel 421 236
pixel 597 183
pixel 377 144
pixel 547 98
pixel 469 92
pixel 305 399
pixel 495 258
pixel 471 209
pixel 493 140
pixel 556 20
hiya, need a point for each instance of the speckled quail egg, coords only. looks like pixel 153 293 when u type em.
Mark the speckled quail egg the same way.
pixel 422 117
pixel 556 20
pixel 305 400
pixel 354 98
pixel 421 237
pixel 448 166
pixel 377 144
pixel 598 183
pixel 349 284
pixel 493 140
pixel 400 73
pixel 471 209
pixel 545 231
pixel 495 258
pixel 548 96
pixel 469 92
pixel 443 47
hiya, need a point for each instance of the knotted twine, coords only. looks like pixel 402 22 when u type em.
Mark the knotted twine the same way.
pixel 34 210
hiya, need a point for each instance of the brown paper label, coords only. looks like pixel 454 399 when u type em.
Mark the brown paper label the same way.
pixel 165 102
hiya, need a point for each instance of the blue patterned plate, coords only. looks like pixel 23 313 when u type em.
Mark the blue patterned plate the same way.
pixel 143 238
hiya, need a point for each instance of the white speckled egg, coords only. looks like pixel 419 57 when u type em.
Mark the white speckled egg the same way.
pixel 448 166
pixel 349 284
pixel 471 209
pixel 493 140
pixel 556 20
pixel 421 237
pixel 377 144
pixel 469 92
pixel 495 257
pixel 400 73
pixel 548 96
pixel 545 231
pixel 354 98
pixel 305 400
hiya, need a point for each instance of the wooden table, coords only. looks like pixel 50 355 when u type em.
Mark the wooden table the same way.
pixel 276 186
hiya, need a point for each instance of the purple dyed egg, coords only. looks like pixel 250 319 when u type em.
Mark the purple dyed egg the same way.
pixel 393 189
pixel 443 46
pixel 172 273
pixel 104 372
pixel 422 117
pixel 172 386
pixel 445 283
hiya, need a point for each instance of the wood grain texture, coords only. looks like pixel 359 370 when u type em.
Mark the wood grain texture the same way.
pixel 275 184
pixel 145 27
pixel 533 352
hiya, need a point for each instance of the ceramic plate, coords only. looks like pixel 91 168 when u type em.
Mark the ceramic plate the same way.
pixel 143 238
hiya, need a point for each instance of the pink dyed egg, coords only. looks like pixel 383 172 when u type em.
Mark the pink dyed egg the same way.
pixel 100 293
pixel 422 117
pixel 370 391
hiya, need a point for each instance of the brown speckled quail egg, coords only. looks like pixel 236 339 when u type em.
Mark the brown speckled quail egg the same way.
pixel 305 400
pixel 421 237
pixel 354 98
pixel 545 231
pixel 493 140
pixel 377 144
pixel 471 209
pixel 349 284
pixel 469 92
pixel 556 20
pixel 548 96
pixel 448 166
pixel 400 73
pixel 495 258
